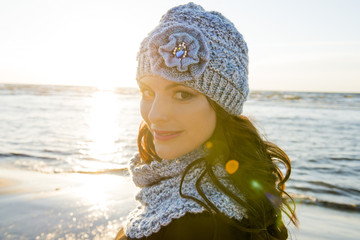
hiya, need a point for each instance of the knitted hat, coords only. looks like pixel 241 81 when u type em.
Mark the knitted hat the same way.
pixel 200 49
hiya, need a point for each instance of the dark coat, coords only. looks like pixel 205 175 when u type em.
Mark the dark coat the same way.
pixel 193 227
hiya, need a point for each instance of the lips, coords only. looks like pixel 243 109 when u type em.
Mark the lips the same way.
pixel 166 135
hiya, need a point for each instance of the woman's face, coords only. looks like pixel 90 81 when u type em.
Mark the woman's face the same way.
pixel 170 106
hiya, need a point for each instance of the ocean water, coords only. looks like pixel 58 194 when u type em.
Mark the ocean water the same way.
pixel 62 129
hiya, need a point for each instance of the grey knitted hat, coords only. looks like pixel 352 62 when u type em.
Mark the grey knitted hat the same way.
pixel 202 50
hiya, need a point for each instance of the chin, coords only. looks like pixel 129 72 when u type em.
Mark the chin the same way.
pixel 167 153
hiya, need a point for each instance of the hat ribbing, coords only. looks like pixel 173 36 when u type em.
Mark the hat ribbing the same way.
pixel 202 50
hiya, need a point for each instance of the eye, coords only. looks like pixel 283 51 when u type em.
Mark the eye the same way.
pixel 183 95
pixel 145 92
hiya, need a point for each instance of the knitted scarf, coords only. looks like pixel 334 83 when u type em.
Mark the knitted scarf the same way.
pixel 159 197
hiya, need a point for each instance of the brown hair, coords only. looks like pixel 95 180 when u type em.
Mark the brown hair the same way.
pixel 258 177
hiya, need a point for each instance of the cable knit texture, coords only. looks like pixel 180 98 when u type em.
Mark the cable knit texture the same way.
pixel 213 59
pixel 159 197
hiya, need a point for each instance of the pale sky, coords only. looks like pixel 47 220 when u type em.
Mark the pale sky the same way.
pixel 307 45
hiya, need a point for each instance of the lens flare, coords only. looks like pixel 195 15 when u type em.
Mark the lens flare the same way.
pixel 208 144
pixel 232 166
pixel 256 185
pixel 275 200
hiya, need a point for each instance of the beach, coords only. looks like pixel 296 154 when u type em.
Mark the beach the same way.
pixel 93 206
pixel 63 206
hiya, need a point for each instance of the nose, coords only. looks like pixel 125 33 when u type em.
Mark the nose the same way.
pixel 159 111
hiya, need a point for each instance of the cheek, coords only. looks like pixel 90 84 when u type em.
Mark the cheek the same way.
pixel 144 110
pixel 207 123
pixel 201 121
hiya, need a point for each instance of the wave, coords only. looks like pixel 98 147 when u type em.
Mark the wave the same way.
pixel 23 155
pixel 323 203
pixel 337 159
pixel 122 171
pixel 320 99
pixel 331 189
pixel 328 170
pixel 331 186
pixel 57 152
pixel 117 171
pixel 344 159
pixel 326 191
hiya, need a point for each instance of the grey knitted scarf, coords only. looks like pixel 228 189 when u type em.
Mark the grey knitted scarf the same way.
pixel 159 197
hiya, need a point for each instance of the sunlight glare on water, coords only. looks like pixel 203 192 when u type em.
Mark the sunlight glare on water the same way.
pixel 102 121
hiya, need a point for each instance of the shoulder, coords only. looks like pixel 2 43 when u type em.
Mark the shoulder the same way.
pixel 202 226
pixel 193 226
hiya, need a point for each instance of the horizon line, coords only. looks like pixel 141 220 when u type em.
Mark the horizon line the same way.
pixel 100 88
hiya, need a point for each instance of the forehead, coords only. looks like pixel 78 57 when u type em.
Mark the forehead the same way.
pixel 158 82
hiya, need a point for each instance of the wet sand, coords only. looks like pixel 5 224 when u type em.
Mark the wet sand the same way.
pixel 93 206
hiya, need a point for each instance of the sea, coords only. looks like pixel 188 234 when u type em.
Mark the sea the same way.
pixel 73 129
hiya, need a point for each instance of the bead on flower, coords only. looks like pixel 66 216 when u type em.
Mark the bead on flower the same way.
pixel 180 51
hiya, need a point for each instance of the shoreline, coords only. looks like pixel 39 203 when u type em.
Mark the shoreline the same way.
pixel 83 206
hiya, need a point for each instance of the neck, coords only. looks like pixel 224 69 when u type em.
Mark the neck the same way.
pixel 196 153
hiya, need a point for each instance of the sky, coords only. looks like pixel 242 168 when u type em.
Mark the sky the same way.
pixel 307 45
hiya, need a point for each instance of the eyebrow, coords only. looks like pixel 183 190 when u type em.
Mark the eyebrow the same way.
pixel 167 87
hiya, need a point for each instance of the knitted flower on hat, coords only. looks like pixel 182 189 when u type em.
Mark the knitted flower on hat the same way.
pixel 178 53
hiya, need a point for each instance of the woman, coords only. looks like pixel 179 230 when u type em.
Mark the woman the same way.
pixel 203 170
